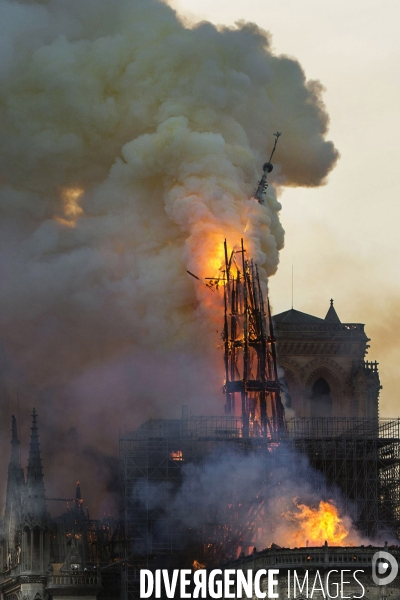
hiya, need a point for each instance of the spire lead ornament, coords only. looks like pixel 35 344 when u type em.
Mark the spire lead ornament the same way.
pixel 267 168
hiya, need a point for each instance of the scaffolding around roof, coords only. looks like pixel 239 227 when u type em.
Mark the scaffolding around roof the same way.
pixel 360 459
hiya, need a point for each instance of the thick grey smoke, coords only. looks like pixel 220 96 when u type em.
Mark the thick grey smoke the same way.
pixel 130 148
pixel 232 497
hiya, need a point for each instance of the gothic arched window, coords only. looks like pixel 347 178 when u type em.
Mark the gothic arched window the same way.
pixel 321 399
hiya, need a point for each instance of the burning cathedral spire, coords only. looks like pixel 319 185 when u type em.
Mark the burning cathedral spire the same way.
pixel 249 342
pixel 251 369
pixel 250 354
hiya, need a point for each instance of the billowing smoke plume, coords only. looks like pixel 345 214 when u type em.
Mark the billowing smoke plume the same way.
pixel 130 148
pixel 231 499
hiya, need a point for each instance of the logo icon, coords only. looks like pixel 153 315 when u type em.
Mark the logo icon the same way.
pixel 384 568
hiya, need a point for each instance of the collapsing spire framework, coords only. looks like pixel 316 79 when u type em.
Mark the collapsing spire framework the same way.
pixel 250 354
pixel 267 168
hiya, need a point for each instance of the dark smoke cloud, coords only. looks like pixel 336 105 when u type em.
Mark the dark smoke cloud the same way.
pixel 226 488
pixel 130 148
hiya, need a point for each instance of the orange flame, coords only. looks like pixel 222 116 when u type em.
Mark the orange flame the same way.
pixel 72 210
pixel 176 455
pixel 317 525
pixel 210 261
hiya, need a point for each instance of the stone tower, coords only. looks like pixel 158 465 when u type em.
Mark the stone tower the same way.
pixel 12 514
pixel 35 518
pixel 26 531
pixel 43 557
pixel 325 371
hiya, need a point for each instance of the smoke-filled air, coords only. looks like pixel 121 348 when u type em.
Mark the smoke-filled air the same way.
pixel 294 506
pixel 131 146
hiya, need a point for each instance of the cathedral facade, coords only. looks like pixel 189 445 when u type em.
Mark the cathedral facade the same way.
pixel 325 373
pixel 45 558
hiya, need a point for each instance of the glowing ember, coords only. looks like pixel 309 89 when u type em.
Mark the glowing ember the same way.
pixel 71 208
pixel 176 455
pixel 197 565
pixel 317 525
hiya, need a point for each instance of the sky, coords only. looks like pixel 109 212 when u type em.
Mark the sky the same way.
pixel 342 238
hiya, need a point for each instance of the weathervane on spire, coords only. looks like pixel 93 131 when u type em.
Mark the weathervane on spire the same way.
pixel 267 168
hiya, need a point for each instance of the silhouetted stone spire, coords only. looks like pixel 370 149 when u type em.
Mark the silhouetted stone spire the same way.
pixel 15 481
pixel 35 495
pixel 331 315
pixel 15 489
pixel 73 560
pixel 15 454
pixel 78 500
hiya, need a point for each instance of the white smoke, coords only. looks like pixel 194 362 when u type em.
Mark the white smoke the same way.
pixel 231 499
pixel 130 148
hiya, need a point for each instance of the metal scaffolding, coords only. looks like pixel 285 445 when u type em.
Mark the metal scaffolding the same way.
pixel 359 458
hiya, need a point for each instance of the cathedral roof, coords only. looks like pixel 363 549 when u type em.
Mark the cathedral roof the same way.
pixel 295 316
